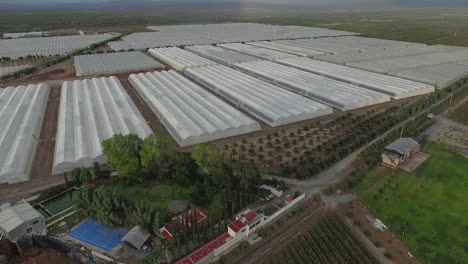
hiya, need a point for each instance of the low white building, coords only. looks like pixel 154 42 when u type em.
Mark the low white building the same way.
pixel 18 221
pixel 246 223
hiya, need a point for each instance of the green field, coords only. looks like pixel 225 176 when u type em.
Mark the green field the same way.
pixel 158 196
pixel 427 209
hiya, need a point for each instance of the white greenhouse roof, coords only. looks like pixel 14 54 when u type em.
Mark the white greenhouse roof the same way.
pixel 220 55
pixel 414 61
pixel 302 52
pixel 91 111
pixel 397 88
pixel 190 114
pixel 48 46
pixel 440 75
pixel 179 59
pixel 11 69
pixel 378 53
pixel 262 53
pixel 111 63
pixel 362 43
pixel 341 95
pixel 312 44
pixel 269 103
pixel 22 111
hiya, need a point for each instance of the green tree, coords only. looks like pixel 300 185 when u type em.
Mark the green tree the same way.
pixel 123 154
pixel 156 223
pixel 144 215
pixel 85 175
pixel 249 177
pixel 156 154
pixel 97 170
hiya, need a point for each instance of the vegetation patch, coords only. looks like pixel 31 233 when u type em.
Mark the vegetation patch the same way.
pixel 460 114
pixel 426 209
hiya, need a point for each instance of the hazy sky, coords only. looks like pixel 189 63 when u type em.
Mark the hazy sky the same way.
pixel 421 3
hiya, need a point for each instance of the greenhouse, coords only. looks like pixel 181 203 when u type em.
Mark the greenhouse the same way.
pixel 220 55
pixel 334 93
pixel 190 114
pixel 48 46
pixel 263 53
pixel 397 88
pixel 91 111
pixel 179 59
pixel 22 111
pixel 111 63
pixel 310 44
pixel 269 103
pixel 298 51
pixel 439 75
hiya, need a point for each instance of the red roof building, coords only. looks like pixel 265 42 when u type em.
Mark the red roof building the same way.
pixel 180 220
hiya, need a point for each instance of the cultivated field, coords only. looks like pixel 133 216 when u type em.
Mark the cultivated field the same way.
pixel 426 209
pixel 460 114
pixel 331 241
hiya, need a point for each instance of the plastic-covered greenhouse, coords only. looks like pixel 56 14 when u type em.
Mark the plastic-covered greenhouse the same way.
pixel 302 52
pixel 22 112
pixel 190 114
pixel 220 55
pixel 91 111
pixel 269 103
pixel 111 63
pixel 11 69
pixel 397 88
pixel 179 59
pixel 334 93
pixel 263 53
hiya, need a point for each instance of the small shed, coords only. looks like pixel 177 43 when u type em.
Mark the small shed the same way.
pixel 399 151
pixel 136 237
pixel 17 221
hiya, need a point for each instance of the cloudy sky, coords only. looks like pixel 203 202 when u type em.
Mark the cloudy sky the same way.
pixel 421 3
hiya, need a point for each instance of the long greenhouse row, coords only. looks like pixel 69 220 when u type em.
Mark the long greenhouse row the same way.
pixel 48 46
pixel 262 53
pixel 190 114
pixel 22 110
pixel 179 59
pixel 111 63
pixel 221 55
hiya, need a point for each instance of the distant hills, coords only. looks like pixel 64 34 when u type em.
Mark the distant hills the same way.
pixel 143 5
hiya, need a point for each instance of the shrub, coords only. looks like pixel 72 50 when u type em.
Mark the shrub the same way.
pixel 244 245
pixel 262 232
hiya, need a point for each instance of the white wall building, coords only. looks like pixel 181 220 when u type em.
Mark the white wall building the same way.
pixel 18 221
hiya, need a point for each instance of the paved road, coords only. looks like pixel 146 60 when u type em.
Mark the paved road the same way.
pixel 336 174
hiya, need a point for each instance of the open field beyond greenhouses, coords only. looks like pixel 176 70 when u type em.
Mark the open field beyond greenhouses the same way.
pixel 158 196
pixel 426 209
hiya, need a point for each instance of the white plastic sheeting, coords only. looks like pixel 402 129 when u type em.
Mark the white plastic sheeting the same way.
pixel 262 53
pixel 269 103
pixel 397 88
pixel 440 75
pixel 310 44
pixel 22 111
pixel 91 111
pixel 11 69
pixel 111 63
pixel 362 43
pixel 303 52
pixel 328 91
pixel 179 59
pixel 378 53
pixel 415 61
pixel 190 114
pixel 220 55
pixel 49 46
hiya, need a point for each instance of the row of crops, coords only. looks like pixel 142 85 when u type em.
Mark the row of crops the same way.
pixel 331 241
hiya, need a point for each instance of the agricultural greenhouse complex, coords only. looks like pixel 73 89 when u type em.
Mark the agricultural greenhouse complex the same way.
pixel 190 114
pixel 220 55
pixel 212 82
pixel 48 46
pixel 269 103
pixel 90 112
pixel 395 87
pixel 263 53
pixel 22 110
pixel 112 63
pixel 179 59
pixel 334 93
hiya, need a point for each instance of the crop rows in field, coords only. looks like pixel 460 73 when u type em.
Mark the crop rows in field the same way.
pixel 331 241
